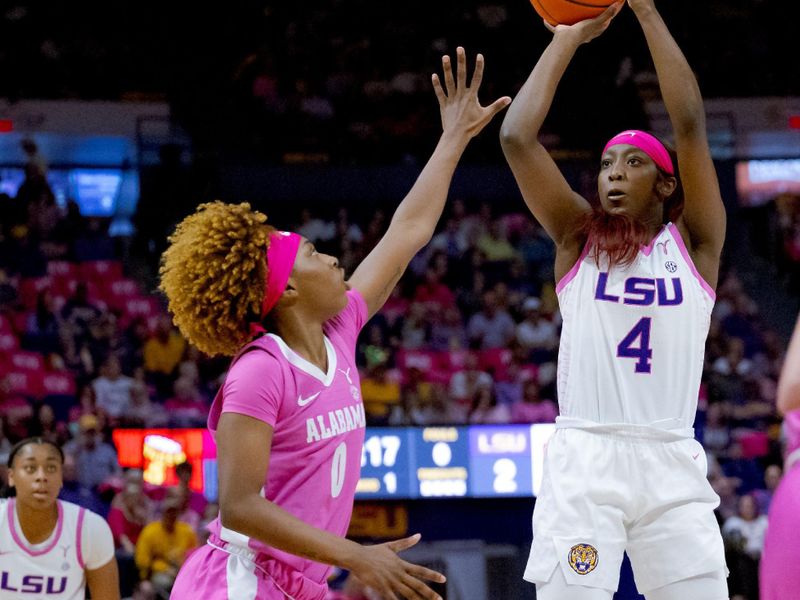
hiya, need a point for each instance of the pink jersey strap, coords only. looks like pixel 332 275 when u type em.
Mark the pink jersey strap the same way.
pixel 79 537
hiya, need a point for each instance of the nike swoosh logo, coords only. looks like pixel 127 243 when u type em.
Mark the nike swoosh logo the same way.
pixel 303 401
pixel 695 456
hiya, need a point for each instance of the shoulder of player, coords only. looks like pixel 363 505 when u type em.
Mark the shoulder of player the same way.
pixel 258 355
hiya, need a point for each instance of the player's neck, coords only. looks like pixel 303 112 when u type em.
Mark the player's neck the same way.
pixel 37 524
pixel 305 337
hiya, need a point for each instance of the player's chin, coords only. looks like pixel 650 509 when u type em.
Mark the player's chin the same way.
pixel 43 498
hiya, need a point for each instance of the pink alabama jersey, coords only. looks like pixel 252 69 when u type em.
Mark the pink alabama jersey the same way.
pixel 633 338
pixel 56 570
pixel 318 420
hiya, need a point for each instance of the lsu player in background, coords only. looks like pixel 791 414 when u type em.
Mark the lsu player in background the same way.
pixel 289 420
pixel 636 275
pixel 49 548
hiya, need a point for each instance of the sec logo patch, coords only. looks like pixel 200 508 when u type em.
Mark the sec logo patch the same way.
pixel 582 558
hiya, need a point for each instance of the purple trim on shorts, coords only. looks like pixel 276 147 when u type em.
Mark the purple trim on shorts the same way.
pixel 78 545
pixel 676 234
pixel 574 270
pixel 18 538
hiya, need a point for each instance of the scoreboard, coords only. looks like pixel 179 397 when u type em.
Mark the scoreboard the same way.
pixel 478 461
pixel 440 462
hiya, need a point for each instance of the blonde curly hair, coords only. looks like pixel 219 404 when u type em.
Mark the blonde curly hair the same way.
pixel 213 275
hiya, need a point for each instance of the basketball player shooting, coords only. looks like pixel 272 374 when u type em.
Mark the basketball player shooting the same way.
pixel 635 276
pixel 289 421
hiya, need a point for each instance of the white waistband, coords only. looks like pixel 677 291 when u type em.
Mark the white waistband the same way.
pixel 247 554
pixel 667 430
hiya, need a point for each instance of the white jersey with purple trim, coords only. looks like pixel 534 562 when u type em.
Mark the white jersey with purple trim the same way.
pixel 54 569
pixel 633 338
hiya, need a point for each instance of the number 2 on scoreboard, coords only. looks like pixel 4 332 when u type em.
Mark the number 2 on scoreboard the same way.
pixel 642 352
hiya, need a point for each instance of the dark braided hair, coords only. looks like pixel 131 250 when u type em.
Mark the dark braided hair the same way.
pixel 32 440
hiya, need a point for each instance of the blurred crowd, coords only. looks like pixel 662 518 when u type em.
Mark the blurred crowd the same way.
pixel 343 82
pixel 788 212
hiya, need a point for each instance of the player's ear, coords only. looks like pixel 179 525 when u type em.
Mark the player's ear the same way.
pixel 290 294
pixel 666 186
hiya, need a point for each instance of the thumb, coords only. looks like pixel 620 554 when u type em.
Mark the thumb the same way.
pixel 498 105
pixel 405 543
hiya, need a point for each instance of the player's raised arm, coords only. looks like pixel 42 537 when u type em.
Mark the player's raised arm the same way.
pixel 789 383
pixel 243 453
pixel 414 221
pixel 548 195
pixel 703 216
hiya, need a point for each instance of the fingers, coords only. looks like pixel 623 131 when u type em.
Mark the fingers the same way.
pixel 611 12
pixel 550 27
pixel 409 593
pixel 437 88
pixel 448 76
pixel 498 105
pixel 425 573
pixel 461 70
pixel 477 76
pixel 420 590
pixel 405 543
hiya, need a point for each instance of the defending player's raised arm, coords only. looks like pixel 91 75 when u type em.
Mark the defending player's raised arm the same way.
pixel 415 219
pixel 243 445
pixel 789 383
pixel 703 213
pixel 548 195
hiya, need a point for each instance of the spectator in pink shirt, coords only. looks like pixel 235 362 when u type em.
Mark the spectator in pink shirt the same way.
pixel 433 293
pixel 186 408
pixel 533 409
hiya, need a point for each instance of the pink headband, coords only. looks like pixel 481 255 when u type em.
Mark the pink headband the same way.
pixel 280 257
pixel 648 144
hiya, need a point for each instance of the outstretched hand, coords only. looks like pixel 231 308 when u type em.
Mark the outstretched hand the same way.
pixel 381 569
pixel 588 29
pixel 462 113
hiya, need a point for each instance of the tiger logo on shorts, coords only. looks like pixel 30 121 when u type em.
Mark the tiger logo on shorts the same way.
pixel 582 558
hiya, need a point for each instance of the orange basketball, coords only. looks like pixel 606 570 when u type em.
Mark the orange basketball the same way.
pixel 568 12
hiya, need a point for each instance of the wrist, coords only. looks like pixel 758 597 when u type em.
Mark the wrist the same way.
pixel 567 38
pixel 349 554
pixel 645 12
pixel 455 141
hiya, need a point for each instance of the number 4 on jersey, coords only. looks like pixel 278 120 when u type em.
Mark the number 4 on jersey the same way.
pixel 642 352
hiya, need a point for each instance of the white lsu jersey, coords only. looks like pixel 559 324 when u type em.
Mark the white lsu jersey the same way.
pixel 633 338
pixel 54 570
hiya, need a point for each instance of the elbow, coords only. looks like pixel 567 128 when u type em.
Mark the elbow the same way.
pixel 233 515
pixel 692 120
pixel 788 397
pixel 510 137
pixel 513 141
pixel 416 232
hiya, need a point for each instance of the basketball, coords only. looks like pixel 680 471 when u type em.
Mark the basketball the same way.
pixel 568 12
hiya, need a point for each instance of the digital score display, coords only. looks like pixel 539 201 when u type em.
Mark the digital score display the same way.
pixel 385 464
pixel 501 461
pixel 479 461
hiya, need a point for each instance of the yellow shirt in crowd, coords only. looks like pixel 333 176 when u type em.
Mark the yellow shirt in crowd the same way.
pixel 158 550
